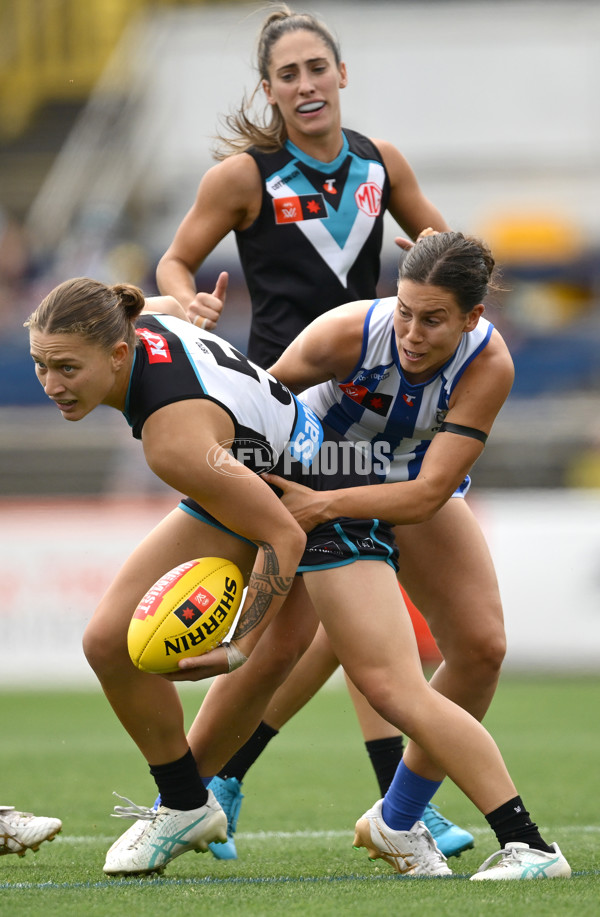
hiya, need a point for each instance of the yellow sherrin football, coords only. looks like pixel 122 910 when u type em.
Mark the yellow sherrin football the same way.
pixel 188 612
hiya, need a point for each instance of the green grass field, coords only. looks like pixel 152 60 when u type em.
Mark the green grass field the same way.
pixel 63 753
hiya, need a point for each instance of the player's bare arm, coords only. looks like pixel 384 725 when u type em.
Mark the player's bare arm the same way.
pixel 403 503
pixel 179 440
pixel 484 387
pixel 263 587
pixel 228 198
pixel 411 209
pixel 328 348
pixel 477 399
pixel 164 305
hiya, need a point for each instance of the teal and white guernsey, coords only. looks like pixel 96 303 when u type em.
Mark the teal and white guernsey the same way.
pixel 273 430
pixel 176 361
pixel 377 406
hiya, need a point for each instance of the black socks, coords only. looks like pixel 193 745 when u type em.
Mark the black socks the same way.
pixel 385 755
pixel 242 761
pixel 179 783
pixel 512 822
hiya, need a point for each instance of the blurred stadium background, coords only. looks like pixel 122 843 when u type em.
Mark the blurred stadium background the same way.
pixel 108 109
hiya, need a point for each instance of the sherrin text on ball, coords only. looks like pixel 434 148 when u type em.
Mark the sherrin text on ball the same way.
pixel 187 612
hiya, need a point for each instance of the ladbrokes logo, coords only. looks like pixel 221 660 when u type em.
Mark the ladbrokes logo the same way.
pixel 253 453
pixel 377 402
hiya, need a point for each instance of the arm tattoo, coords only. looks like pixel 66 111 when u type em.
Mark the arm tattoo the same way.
pixel 270 563
pixel 262 588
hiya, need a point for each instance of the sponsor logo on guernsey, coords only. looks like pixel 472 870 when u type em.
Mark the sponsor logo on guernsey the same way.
pixel 410 401
pixel 156 346
pixel 329 186
pixel 299 207
pixel 365 375
pixel 372 401
pixel 280 182
pixel 368 198
pixel 356 392
pixel 307 436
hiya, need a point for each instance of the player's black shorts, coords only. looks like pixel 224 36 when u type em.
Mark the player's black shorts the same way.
pixel 332 544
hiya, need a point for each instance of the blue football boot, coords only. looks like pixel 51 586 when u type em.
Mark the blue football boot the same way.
pixel 229 795
pixel 451 839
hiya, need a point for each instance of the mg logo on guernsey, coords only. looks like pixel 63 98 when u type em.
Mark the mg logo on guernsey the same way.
pixel 156 346
pixel 368 198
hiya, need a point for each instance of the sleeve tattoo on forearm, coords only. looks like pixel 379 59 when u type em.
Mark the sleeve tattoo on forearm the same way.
pixel 262 588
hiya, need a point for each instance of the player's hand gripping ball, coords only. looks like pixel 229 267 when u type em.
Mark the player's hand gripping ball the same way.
pixel 189 611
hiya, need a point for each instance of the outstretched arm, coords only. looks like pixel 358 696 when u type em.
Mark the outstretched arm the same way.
pixel 448 460
pixel 475 403
pixel 328 348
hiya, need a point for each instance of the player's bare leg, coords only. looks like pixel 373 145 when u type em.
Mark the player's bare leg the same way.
pixel 383 662
pixel 246 692
pixel 148 706
pixel 188 817
pixel 460 602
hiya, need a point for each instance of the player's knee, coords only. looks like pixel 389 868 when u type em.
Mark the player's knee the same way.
pixel 101 651
pixel 381 696
pixel 480 655
pixel 488 653
pixel 278 663
pixel 278 652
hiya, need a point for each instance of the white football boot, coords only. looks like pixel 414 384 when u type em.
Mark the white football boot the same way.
pixel 520 861
pixel 22 831
pixel 411 853
pixel 159 835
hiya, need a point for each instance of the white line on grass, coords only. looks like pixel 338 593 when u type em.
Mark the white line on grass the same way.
pixel 117 882
pixel 291 835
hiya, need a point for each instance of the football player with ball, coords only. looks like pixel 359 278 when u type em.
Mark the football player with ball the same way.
pixel 210 422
